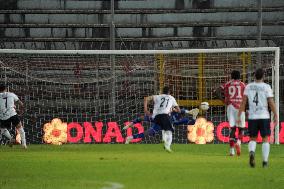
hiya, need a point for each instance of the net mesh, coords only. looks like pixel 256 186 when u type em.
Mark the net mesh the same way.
pixel 111 88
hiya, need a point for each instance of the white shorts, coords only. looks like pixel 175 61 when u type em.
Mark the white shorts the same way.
pixel 232 115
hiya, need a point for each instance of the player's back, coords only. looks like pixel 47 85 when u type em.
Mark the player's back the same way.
pixel 7 105
pixel 163 104
pixel 257 94
pixel 234 90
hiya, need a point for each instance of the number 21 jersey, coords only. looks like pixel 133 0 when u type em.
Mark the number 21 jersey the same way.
pixel 7 105
pixel 257 94
pixel 163 104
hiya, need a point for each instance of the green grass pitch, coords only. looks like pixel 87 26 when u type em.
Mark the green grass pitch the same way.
pixel 137 166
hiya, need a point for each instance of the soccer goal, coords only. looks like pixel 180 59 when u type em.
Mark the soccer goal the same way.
pixel 95 93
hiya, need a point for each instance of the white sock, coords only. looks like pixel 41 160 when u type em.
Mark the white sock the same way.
pixel 252 146
pixel 23 136
pixel 265 151
pixel 7 134
pixel 168 139
pixel 163 136
pixel 232 151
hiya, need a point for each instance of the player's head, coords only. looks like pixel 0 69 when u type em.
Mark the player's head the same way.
pixel 2 87
pixel 259 74
pixel 166 90
pixel 235 75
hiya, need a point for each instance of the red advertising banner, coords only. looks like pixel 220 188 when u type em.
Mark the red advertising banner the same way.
pixel 58 132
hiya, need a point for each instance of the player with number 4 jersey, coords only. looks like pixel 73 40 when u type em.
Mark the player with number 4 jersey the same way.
pixel 233 92
pixel 259 96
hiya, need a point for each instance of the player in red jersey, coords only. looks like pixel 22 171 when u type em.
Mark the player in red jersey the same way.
pixel 233 92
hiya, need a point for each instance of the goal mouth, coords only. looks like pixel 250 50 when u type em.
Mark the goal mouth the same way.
pixel 109 86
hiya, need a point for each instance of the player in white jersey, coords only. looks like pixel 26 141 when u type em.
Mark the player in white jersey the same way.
pixel 259 96
pixel 163 105
pixel 8 114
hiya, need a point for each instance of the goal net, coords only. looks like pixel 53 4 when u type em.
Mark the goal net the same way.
pixel 89 96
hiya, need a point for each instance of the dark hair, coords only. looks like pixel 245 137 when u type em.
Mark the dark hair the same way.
pixel 235 75
pixel 166 90
pixel 2 87
pixel 259 73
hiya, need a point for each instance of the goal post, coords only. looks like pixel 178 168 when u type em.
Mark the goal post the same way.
pixel 82 86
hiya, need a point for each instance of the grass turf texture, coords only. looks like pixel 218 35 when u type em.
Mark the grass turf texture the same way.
pixel 142 166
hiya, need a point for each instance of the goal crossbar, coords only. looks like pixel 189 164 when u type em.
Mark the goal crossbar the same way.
pixel 129 52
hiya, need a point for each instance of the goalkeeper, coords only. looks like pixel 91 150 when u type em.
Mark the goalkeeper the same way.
pixel 176 119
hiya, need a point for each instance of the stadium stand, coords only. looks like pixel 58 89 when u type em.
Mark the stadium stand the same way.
pixel 76 24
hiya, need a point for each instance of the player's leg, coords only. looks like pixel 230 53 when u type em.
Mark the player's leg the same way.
pixel 165 122
pixel 163 136
pixel 253 132
pixel 265 132
pixel 17 122
pixel 239 140
pixel 131 124
pixel 168 140
pixel 168 134
pixel 194 112
pixel 232 140
pixel 7 134
pixel 3 126
pixel 184 121
pixel 240 127
pixel 232 123
pixel 137 120
pixel 150 132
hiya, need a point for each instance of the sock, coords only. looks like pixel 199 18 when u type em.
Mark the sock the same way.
pixel 139 135
pixel 163 136
pixel 239 142
pixel 232 143
pixel 265 151
pixel 23 136
pixel 251 146
pixel 168 139
pixel 7 134
pixel 240 137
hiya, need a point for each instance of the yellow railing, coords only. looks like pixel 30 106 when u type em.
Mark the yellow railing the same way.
pixel 244 57
pixel 161 68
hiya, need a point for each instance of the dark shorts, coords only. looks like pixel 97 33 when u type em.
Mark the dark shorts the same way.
pixel 261 125
pixel 14 120
pixel 164 121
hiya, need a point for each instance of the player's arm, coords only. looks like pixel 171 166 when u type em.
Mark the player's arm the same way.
pixel 273 109
pixel 176 106
pixel 18 103
pixel 219 92
pixel 177 109
pixel 146 102
pixel 174 109
pixel 21 106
